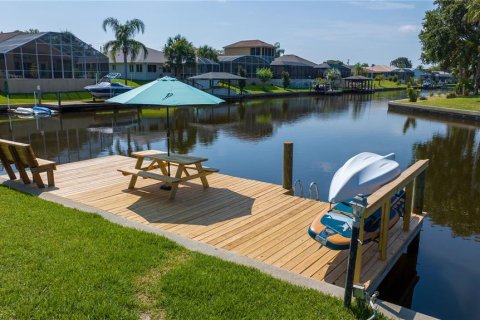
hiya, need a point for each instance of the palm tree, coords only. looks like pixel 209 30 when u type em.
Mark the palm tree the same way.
pixel 473 13
pixel 332 75
pixel 124 42
pixel 208 52
pixel 179 51
pixel 278 50
pixel 359 69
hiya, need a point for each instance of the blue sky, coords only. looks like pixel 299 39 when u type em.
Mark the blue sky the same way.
pixel 360 31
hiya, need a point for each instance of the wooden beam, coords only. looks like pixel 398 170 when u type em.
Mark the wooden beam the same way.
pixel 379 197
pixel 385 221
pixel 408 206
pixel 358 263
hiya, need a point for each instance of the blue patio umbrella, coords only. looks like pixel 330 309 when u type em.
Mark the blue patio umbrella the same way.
pixel 166 92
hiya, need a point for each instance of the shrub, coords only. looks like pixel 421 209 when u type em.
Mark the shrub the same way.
pixel 285 79
pixel 264 74
pixel 432 94
pixel 451 95
pixel 399 83
pixel 422 98
pixel 412 93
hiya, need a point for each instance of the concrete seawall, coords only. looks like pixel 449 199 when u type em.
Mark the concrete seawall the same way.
pixel 431 110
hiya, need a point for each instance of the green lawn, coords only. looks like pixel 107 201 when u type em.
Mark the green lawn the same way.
pixel 62 263
pixel 260 88
pixel 46 97
pixel 388 84
pixel 461 103
pixel 16 98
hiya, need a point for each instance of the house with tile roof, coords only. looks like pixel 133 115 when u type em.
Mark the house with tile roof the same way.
pixel 256 48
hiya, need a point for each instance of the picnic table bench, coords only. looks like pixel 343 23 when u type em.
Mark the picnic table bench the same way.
pixel 22 156
pixel 188 168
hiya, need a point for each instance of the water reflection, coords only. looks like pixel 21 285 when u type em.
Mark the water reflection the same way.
pixel 245 139
pixel 453 180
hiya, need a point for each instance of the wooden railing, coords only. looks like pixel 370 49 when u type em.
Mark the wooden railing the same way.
pixel 413 181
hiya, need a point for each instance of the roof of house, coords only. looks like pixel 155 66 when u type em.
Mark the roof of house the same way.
pixel 380 69
pixel 7 35
pixel 18 40
pixel 233 58
pixel 217 76
pixel 249 44
pixel 323 66
pixel 292 60
pixel 154 56
pixel 357 78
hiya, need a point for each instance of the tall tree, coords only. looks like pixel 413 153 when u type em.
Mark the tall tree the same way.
pixel 179 51
pixel 208 52
pixel 401 62
pixel 451 40
pixel 124 40
pixel 359 69
pixel 473 13
pixel 278 50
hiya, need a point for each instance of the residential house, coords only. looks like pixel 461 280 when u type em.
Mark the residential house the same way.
pixel 255 48
pixel 297 67
pixel 49 61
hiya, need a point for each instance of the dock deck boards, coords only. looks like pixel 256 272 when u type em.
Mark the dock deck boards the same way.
pixel 251 218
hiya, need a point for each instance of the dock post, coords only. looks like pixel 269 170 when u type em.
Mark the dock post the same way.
pixel 418 193
pixel 287 165
pixel 358 205
pixel 59 99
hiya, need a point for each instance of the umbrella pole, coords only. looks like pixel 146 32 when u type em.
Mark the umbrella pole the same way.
pixel 168 138
pixel 166 186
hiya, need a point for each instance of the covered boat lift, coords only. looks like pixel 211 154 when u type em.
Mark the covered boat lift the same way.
pixel 220 76
pixel 359 84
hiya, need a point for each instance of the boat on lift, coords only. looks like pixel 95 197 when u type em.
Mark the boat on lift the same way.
pixel 362 174
pixel 105 88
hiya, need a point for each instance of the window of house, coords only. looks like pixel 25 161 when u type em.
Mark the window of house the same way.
pixel 139 67
pixel 114 67
pixel 131 68
pixel 152 68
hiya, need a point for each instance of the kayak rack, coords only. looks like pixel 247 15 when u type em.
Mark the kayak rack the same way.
pixel 313 186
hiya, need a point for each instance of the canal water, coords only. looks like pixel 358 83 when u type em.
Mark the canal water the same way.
pixel 246 140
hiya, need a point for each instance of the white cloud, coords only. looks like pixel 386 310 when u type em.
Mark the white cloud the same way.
pixel 408 28
pixel 385 5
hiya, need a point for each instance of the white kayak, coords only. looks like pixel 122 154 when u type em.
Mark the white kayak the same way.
pixel 363 174
pixel 22 110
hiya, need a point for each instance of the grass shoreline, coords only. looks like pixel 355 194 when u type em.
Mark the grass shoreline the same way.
pixel 471 103
pixel 58 262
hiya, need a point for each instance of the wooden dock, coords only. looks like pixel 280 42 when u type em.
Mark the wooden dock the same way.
pixel 255 219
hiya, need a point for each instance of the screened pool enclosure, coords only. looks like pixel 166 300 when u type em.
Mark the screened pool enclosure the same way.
pixel 49 55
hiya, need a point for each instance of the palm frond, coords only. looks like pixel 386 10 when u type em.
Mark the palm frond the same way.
pixel 111 22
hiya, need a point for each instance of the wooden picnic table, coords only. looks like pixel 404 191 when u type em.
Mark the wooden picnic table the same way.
pixel 188 168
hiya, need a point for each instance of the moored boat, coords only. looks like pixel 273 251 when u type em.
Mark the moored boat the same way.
pixel 362 174
pixel 105 88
